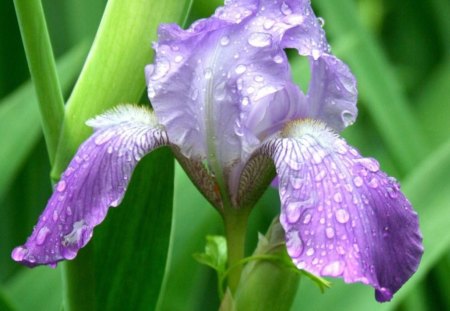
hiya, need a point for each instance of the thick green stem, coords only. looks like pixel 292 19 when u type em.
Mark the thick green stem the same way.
pixel 235 221
pixel 41 62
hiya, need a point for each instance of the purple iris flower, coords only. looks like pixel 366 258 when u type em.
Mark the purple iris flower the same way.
pixel 225 102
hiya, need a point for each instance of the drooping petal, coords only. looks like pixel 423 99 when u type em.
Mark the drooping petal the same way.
pixel 95 179
pixel 224 85
pixel 343 217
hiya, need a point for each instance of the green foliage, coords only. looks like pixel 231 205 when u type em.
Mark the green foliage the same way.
pixel 399 53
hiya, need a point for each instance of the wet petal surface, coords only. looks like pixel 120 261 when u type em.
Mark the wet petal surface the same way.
pixel 342 215
pixel 224 85
pixel 95 179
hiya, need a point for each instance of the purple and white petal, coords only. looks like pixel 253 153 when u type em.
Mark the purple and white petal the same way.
pixel 95 179
pixel 224 85
pixel 343 217
pixel 332 93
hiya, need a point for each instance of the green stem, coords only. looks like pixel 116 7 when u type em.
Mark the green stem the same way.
pixel 235 221
pixel 76 297
pixel 41 62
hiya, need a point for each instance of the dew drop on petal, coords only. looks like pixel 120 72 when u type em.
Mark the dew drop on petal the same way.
pixel 321 175
pixel 278 59
pixel 178 58
pixel 342 216
pixel 348 118
pixel 225 40
pixel 260 39
pixel 370 164
pixel 240 69
pixel 61 186
pixel 310 251
pixel 268 24
pixel 285 9
pixel 373 183
pixel 294 244
pixel 358 181
pixel 329 232
pixel 315 53
pixel 19 253
pixel 161 68
pixel 42 235
pixel 321 21
pixel 334 268
pixel 337 197
pixel 307 218
pixel 245 101
pixel 208 73
pixel 258 78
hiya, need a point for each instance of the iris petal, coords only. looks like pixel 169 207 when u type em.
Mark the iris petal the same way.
pixel 343 217
pixel 95 179
pixel 224 85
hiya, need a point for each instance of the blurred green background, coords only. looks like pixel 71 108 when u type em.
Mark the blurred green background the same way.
pixel 400 53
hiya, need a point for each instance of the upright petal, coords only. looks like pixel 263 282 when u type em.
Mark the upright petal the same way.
pixel 343 217
pixel 332 93
pixel 224 85
pixel 95 179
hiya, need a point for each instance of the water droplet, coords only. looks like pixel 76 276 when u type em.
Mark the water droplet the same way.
pixel 268 23
pixel 294 244
pixel 358 181
pixel 337 197
pixel 285 9
pixel 334 268
pixel 307 218
pixel 245 101
pixel 348 118
pixel 278 59
pixel 321 175
pixel 240 69
pixel 151 92
pixel 258 78
pixel 369 163
pixel 295 19
pixel 318 156
pixel 161 68
pixel 315 54
pixel 373 183
pixel 42 235
pixel 321 21
pixel 310 251
pixel 250 90
pixel 68 253
pixel 55 216
pixel 225 40
pixel 178 58
pixel 19 253
pixel 342 216
pixel 208 73
pixel 329 232
pixel 393 194
pixel 296 182
pixel 61 186
pixel 260 39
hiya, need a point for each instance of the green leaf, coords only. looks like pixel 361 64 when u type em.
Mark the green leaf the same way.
pixel 215 254
pixel 378 86
pixel 26 291
pixel 131 246
pixel 114 71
